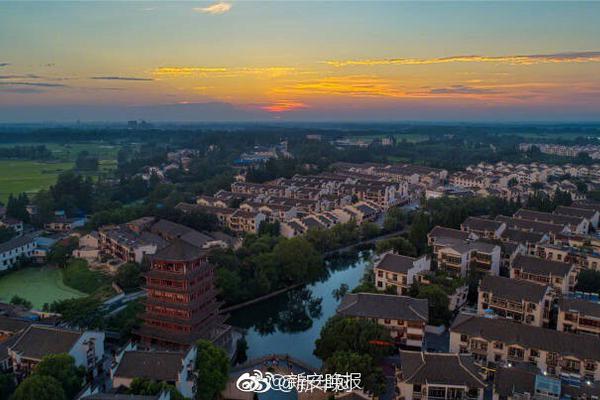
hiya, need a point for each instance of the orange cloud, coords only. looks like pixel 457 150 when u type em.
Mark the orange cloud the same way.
pixel 223 71
pixel 531 59
pixel 284 106
pixel 214 9
pixel 355 85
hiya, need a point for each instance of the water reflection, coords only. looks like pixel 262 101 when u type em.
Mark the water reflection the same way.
pixel 292 321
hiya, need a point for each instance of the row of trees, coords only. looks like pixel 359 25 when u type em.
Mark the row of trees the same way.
pixel 264 264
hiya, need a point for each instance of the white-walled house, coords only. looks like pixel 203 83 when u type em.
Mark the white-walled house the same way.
pixel 38 341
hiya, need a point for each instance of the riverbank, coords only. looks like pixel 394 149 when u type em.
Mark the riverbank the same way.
pixel 290 322
pixel 39 285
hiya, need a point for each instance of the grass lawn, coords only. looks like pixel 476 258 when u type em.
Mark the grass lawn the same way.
pixel 39 285
pixel 69 152
pixel 18 176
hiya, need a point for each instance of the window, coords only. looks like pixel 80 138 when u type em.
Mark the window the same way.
pixel 464 338
pixel 498 345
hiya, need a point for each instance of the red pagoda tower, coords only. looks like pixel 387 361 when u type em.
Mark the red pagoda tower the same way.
pixel 181 306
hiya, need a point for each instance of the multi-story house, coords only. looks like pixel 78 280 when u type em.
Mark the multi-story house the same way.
pixel 458 257
pixel 399 272
pixel 484 228
pixel 527 239
pixel 561 276
pixel 20 247
pixel 405 317
pixel 123 243
pixel 520 301
pixel 590 215
pixel 578 316
pixel 533 226
pixel 171 368
pixel 38 341
pixel 443 376
pixel 497 341
pixel 242 221
pixel 574 224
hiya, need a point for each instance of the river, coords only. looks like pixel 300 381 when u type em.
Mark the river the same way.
pixel 291 322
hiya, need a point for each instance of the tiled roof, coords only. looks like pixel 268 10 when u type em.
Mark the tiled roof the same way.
pixel 582 306
pixel 513 289
pixel 439 369
pixel 481 224
pixel 371 305
pixel 157 365
pixel 395 263
pixel 39 341
pixel 179 250
pixel 541 266
pixel 511 332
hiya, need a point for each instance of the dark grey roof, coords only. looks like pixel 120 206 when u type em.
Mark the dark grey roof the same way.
pixel 441 231
pixel 179 250
pixel 395 263
pixel 481 224
pixel 439 368
pixel 157 365
pixel 547 217
pixel 519 236
pixel 514 380
pixel 541 266
pixel 513 289
pixel 575 212
pixel 15 242
pixel 13 325
pixel 39 341
pixel 582 306
pixel 591 205
pixel 372 305
pixel 526 224
pixel 511 332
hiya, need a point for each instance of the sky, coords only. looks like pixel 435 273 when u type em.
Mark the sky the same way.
pixel 238 60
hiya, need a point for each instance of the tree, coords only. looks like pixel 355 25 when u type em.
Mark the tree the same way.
pixel 39 387
pixel 86 162
pixel 267 228
pixel 128 276
pixel 212 370
pixel 395 219
pixel 20 301
pixel 588 281
pixel 418 231
pixel 148 387
pixel 6 233
pixel 438 303
pixel 16 207
pixel 372 378
pixel 62 368
pixel 7 386
pixel 298 260
pixel 61 252
pixel 398 244
pixel 369 230
pixel 352 335
pixel 241 348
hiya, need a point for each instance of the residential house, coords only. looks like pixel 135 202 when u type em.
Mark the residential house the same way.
pixel 484 228
pixel 574 224
pixel 521 301
pixel 578 316
pixel 406 317
pixel 443 376
pixel 588 214
pixel 172 368
pixel 498 342
pixel 38 341
pixel 15 249
pixel 458 257
pixel 399 272
pixel 561 276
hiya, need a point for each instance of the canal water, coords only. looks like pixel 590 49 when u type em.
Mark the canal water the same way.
pixel 291 322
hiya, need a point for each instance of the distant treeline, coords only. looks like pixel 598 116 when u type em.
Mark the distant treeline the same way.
pixel 26 153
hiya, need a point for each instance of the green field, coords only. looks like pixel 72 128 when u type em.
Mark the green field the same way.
pixel 37 284
pixel 28 176
pixel 17 176
pixel 69 152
